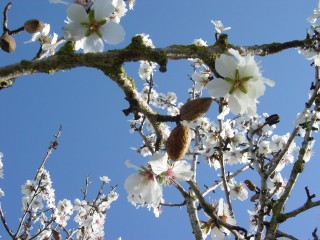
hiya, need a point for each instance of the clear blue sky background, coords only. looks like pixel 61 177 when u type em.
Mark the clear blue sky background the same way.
pixel 95 140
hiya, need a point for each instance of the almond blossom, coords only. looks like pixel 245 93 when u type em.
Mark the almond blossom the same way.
pixel 241 82
pixel 219 232
pixel 238 191
pixel 200 79
pixel 93 28
pixel 179 170
pixel 143 188
pixel 219 26
pixel 200 43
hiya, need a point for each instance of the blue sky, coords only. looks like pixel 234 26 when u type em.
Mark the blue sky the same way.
pixel 95 139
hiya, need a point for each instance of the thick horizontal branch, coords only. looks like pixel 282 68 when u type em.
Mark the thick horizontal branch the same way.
pixel 272 48
pixel 65 58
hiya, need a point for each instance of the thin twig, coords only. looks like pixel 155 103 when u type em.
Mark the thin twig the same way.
pixel 173 204
pixel 53 146
pixel 5 18
pixel 222 167
pixel 85 188
pixel 4 222
pixel 314 234
pixel 280 234
pixel 229 177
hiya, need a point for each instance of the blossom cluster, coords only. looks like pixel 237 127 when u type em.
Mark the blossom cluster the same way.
pixel 89 24
pixel 145 187
pixel 39 207
pixel 49 43
pixel 238 138
pixel 312 52
pixel 243 139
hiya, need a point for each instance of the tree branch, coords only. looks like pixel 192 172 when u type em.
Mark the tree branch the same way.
pixel 210 211
pixel 4 222
pixel 67 59
pixel 308 204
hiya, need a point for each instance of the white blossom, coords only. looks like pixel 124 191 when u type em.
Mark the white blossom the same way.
pixel 41 36
pixel 200 79
pixel 276 185
pixel 219 232
pixel 105 179
pixel 93 28
pixel 147 69
pixel 238 191
pixel 131 4
pixel 179 170
pixel 219 26
pixel 199 42
pixel 120 10
pixel 143 188
pixel 49 49
pixel 242 83
pixel 311 55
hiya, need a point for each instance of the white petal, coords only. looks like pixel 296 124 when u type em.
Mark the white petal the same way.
pixel 249 70
pixel 153 194
pixel 269 82
pixel 216 234
pixel 54 38
pixel 159 163
pixel 102 9
pixel 74 31
pixel 236 54
pixel 113 33
pixel 77 13
pixel 132 183
pixel 308 55
pixel 143 189
pixel 218 87
pixel 255 89
pixel 45 31
pixel 130 165
pixel 93 44
pixel 182 170
pixel 235 106
pixel 226 66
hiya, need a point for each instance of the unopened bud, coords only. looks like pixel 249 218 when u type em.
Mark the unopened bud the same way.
pixel 178 142
pixel 194 109
pixel 250 185
pixel 273 119
pixel 254 197
pixel 33 26
pixel 56 235
pixel 7 43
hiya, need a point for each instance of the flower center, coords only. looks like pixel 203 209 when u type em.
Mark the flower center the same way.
pixel 93 25
pixel 238 82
